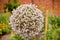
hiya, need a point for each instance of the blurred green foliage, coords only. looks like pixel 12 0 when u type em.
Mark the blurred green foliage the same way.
pixel 12 5
pixel 53 25
pixel 4 18
pixel 16 37
pixel 4 23
pixel 53 28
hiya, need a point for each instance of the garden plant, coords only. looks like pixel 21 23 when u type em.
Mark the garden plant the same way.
pixel 27 21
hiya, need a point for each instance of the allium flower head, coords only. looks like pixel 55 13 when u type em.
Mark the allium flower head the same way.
pixel 27 20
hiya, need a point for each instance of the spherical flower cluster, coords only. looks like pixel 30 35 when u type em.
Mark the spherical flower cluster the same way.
pixel 27 20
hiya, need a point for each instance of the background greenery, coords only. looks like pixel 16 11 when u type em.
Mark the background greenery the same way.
pixel 12 6
pixel 4 23
pixel 53 28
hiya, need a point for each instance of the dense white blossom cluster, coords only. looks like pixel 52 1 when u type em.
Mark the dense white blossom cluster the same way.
pixel 27 20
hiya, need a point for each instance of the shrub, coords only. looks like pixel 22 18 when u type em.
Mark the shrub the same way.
pixel 4 23
pixel 53 28
pixel 12 6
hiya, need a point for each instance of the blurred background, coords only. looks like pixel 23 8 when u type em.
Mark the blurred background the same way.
pixel 7 6
pixel 50 4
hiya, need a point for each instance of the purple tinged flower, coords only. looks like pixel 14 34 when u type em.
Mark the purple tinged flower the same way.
pixel 27 20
